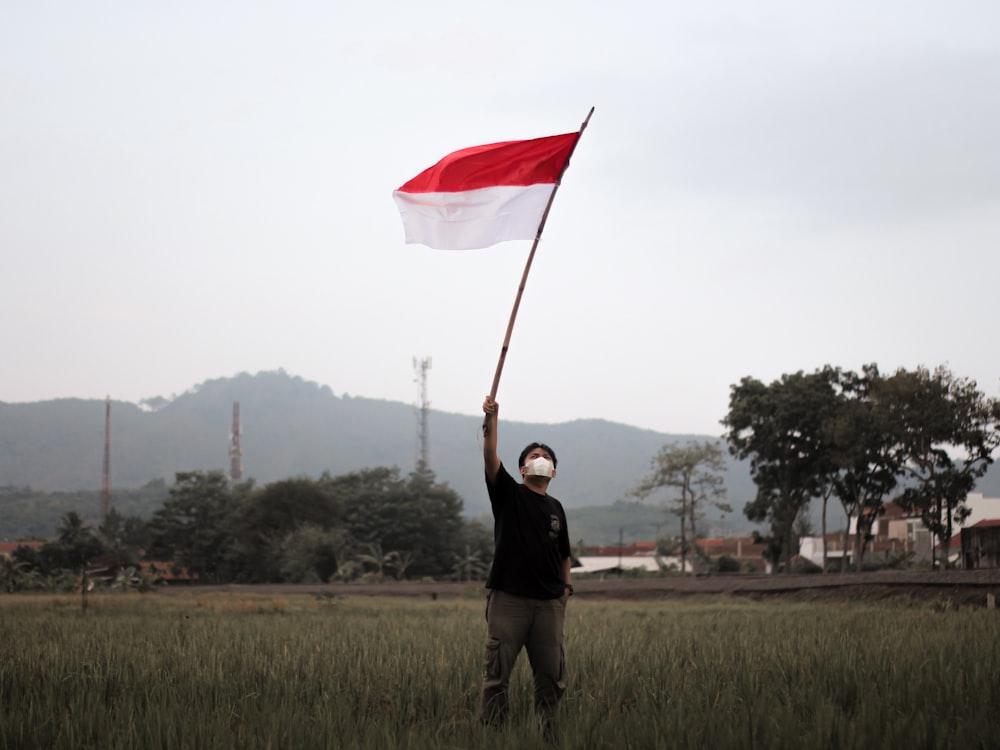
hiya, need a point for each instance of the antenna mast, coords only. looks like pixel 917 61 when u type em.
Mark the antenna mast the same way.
pixel 106 479
pixel 424 407
pixel 235 449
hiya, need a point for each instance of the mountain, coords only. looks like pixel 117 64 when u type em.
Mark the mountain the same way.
pixel 292 427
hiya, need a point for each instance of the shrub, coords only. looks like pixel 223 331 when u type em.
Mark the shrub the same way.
pixel 803 565
pixel 727 564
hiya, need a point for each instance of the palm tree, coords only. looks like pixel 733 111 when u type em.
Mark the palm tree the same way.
pixel 79 544
pixel 468 565
pixel 377 558
pixel 11 574
pixel 399 562
pixel 72 530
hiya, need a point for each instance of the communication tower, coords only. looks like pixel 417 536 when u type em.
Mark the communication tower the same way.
pixel 106 479
pixel 235 449
pixel 423 410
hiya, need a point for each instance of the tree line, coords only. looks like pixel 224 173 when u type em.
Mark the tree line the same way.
pixel 918 438
pixel 369 524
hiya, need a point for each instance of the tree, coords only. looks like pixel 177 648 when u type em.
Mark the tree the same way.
pixel 437 534
pixel 475 542
pixel 76 546
pixel 196 527
pixel 377 559
pixel 862 443
pixel 416 516
pixel 399 563
pixel 123 537
pixel 694 470
pixel 29 561
pixel 275 515
pixel 470 566
pixel 946 434
pixel 12 574
pixel 781 429
pixel 311 554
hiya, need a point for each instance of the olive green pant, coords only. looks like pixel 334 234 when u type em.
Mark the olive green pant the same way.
pixel 536 625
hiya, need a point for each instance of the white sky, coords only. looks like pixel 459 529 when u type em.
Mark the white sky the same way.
pixel 191 190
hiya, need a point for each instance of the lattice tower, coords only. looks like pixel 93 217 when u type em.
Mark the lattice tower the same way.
pixel 235 449
pixel 106 475
pixel 421 366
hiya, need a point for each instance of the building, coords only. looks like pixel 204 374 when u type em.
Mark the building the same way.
pixel 617 559
pixel 7 548
pixel 897 531
pixel 744 550
pixel 980 545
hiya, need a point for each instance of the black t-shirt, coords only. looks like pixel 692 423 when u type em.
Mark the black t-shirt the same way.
pixel 531 540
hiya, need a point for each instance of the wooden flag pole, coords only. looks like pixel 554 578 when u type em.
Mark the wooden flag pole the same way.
pixel 527 267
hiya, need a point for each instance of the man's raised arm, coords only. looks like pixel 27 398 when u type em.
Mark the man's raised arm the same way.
pixel 490 458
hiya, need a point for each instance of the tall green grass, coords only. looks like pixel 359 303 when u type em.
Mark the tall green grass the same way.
pixel 236 671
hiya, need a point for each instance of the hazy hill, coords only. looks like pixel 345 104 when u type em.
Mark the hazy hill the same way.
pixel 294 427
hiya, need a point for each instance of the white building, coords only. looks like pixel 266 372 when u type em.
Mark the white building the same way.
pixel 610 563
pixel 982 509
pixel 897 529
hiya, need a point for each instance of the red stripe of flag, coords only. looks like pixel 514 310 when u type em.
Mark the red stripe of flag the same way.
pixel 531 162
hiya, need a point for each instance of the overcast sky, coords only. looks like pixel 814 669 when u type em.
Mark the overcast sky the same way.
pixel 190 190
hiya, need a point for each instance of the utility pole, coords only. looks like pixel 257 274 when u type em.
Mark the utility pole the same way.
pixel 106 479
pixel 235 449
pixel 621 570
pixel 424 407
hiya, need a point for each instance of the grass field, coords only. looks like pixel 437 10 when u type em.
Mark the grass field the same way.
pixel 251 671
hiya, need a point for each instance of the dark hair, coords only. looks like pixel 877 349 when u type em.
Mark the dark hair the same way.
pixel 531 447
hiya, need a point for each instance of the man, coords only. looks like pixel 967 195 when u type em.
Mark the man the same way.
pixel 529 581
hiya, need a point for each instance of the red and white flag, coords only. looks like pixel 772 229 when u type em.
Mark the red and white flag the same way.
pixel 479 196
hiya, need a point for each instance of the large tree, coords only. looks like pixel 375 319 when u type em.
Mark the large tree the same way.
pixel 415 517
pixel 860 436
pixel 196 526
pixel 692 473
pixel 861 440
pixel 946 431
pixel 309 554
pixel 781 429
pixel 272 543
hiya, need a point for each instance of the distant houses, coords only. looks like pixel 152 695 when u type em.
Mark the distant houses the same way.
pixel 974 543
pixel 7 548
pixel 642 556
pixel 613 559
pixel 979 544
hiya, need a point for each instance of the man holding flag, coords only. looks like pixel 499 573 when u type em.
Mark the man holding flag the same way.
pixel 529 581
pixel 474 198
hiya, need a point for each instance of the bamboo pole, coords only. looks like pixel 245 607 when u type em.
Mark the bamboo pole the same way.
pixel 527 268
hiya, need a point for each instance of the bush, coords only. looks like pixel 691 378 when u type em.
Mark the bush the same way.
pixel 898 560
pixel 804 565
pixel 727 564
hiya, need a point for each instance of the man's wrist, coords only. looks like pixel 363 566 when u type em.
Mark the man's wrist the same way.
pixel 569 587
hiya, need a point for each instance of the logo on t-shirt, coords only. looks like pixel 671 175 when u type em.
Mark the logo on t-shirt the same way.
pixel 553 527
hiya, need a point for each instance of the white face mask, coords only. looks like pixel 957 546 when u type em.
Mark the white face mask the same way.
pixel 538 467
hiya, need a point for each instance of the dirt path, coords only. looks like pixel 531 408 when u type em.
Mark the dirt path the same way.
pixel 953 587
